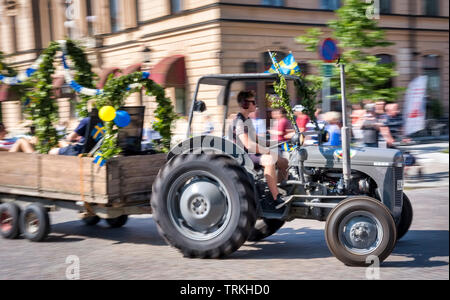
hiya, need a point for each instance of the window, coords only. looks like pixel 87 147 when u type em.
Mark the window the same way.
pixel 90 18
pixel 304 68
pixel 386 59
pixel 273 2
pixel 330 4
pixel 431 7
pixel 385 6
pixel 180 101
pixel 137 11
pixel 176 6
pixel 114 15
pixel 431 69
pixel 250 67
pixel 13 33
pixel 70 18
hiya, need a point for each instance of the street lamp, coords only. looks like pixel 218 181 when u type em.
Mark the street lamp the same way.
pixel 146 54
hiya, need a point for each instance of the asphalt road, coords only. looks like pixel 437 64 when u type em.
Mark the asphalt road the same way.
pixel 297 251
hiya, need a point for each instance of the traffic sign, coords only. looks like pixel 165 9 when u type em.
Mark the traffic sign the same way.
pixel 329 50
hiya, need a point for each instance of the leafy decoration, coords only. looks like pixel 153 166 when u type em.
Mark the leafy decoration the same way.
pixel 306 90
pixel 114 93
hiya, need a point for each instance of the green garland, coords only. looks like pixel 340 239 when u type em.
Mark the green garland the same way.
pixel 114 93
pixel 306 90
pixel 83 75
pixel 42 108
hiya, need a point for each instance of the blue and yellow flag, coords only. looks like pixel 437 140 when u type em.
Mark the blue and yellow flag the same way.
pixel 99 160
pixel 288 66
pixel 98 132
pixel 286 147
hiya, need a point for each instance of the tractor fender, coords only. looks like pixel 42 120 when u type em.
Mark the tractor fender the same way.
pixel 214 145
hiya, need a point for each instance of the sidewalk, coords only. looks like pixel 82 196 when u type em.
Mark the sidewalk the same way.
pixel 433 164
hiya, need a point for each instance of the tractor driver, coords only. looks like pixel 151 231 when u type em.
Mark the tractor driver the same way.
pixel 244 135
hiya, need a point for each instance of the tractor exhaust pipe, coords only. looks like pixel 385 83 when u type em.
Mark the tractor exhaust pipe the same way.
pixel 345 134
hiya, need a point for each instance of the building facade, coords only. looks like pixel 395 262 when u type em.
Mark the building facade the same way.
pixel 181 40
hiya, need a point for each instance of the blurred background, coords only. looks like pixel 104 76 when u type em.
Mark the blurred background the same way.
pixel 181 40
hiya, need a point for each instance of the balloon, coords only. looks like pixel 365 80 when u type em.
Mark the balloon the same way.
pixel 122 118
pixel 107 113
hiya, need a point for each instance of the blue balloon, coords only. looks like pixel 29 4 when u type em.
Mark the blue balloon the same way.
pixel 122 118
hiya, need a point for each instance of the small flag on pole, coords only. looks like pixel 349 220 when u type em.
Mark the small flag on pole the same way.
pixel 98 160
pixel 288 66
pixel 287 148
pixel 98 132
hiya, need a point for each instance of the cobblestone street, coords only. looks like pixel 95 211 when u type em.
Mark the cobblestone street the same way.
pixel 297 251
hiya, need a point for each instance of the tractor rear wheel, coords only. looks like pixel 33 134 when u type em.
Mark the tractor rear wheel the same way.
pixel 204 205
pixel 265 228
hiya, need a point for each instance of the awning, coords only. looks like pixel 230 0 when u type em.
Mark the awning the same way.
pixel 104 76
pixel 132 69
pixel 170 72
pixel 6 93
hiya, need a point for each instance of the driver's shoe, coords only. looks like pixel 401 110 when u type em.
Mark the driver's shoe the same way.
pixel 272 206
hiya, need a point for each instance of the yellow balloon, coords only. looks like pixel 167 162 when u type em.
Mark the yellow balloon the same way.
pixel 107 113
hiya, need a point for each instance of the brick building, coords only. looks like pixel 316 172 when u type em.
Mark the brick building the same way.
pixel 191 38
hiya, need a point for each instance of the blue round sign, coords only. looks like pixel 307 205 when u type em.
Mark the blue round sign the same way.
pixel 329 50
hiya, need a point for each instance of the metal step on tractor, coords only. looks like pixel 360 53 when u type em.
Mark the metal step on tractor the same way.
pixel 206 199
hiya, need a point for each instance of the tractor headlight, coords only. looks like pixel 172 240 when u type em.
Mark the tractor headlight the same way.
pixel 298 139
pixel 399 160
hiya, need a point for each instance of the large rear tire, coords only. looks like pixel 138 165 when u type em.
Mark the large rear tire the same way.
pixel 405 218
pixel 358 229
pixel 204 205
pixel 265 228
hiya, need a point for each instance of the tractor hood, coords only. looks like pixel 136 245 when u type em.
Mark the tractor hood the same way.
pixel 329 156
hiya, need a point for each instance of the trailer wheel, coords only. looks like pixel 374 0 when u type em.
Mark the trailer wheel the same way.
pixel 405 218
pixel 204 205
pixel 117 222
pixel 9 220
pixel 35 222
pixel 265 228
pixel 91 220
pixel 358 228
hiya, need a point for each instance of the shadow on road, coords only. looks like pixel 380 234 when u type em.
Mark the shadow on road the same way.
pixel 287 243
pixel 426 247
pixel 136 231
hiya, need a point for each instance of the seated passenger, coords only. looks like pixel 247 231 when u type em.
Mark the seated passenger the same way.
pixel 14 145
pixel 244 135
pixel 75 140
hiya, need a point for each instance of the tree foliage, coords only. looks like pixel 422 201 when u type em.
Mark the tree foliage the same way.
pixel 356 34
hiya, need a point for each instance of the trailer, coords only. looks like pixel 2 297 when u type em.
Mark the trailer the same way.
pixel 31 185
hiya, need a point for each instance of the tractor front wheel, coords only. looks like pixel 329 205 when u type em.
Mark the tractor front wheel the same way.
pixel 359 230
